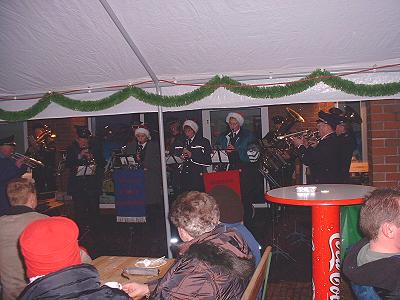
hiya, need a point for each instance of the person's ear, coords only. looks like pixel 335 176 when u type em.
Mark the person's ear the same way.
pixel 184 235
pixel 388 230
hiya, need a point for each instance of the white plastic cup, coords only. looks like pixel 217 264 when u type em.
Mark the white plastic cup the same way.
pixel 114 285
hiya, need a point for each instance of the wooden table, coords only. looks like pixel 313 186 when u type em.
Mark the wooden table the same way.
pixel 325 203
pixel 111 267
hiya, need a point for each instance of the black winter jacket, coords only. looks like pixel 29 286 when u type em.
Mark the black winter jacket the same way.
pixel 76 282
pixel 382 274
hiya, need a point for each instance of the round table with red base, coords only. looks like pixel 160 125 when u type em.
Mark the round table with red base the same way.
pixel 325 203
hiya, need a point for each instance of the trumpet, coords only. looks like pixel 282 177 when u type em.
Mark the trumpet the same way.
pixel 29 161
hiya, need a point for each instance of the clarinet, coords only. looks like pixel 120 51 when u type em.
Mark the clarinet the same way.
pixel 232 156
pixel 182 166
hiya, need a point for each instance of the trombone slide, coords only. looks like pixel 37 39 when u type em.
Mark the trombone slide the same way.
pixel 29 161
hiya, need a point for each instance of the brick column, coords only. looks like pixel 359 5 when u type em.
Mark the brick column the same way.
pixel 384 142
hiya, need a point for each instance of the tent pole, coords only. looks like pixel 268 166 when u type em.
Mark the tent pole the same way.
pixel 153 76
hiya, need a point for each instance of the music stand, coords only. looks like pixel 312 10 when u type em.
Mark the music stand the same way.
pixel 86 170
pixel 220 159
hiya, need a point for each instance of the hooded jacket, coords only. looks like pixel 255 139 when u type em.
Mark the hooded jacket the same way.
pixel 216 265
pixel 76 282
pixel 382 274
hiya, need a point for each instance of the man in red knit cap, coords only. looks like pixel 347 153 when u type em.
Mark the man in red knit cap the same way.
pixel 53 263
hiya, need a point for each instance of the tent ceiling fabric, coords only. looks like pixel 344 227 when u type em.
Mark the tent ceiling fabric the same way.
pixel 64 45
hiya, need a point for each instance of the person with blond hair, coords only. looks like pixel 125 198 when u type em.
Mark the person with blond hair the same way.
pixel 214 262
pixel 373 264
pixel 22 196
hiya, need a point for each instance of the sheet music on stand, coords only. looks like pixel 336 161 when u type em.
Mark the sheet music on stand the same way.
pixel 122 161
pixel 127 160
pixel 220 156
pixel 86 170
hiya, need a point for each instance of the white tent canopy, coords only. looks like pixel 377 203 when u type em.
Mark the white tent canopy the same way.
pixel 66 45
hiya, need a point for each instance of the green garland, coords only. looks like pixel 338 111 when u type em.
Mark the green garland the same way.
pixel 234 86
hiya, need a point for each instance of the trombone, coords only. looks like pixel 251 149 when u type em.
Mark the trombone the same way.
pixel 297 133
pixel 310 136
pixel 29 161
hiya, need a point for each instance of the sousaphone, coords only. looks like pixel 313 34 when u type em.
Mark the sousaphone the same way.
pixel 292 117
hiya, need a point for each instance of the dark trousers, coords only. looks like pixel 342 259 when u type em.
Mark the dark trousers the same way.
pixel 85 196
pixel 251 187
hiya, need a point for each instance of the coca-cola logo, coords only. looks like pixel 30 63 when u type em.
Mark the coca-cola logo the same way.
pixel 334 262
pixel 334 247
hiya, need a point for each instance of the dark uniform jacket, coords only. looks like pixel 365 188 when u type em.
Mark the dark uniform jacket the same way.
pixel 216 265
pixel 76 282
pixel 347 144
pixel 324 160
pixel 8 171
pixel 382 274
pixel 92 184
pixel 191 168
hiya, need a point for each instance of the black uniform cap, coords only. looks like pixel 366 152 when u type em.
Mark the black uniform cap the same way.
pixel 8 141
pixel 328 118
pixel 83 132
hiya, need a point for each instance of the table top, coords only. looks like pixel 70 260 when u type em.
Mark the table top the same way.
pixel 111 267
pixel 325 194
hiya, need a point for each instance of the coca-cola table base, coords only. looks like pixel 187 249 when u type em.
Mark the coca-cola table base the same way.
pixel 325 203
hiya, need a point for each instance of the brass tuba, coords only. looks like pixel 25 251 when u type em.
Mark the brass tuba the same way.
pixel 292 117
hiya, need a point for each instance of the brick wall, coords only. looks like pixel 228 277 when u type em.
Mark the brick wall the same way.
pixel 384 142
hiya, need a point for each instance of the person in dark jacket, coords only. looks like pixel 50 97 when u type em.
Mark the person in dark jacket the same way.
pixel 195 152
pixel 214 261
pixel 323 158
pixel 9 169
pixel 86 164
pixel 54 265
pixel 146 153
pixel 375 260
pixel 347 141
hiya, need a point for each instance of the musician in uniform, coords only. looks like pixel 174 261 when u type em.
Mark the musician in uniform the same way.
pixel 174 134
pixel 86 164
pixel 195 152
pixel 347 141
pixel 173 137
pixel 42 148
pixel 324 157
pixel 239 145
pixel 9 169
pixel 146 153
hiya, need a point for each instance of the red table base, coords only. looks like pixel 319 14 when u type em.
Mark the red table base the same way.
pixel 326 252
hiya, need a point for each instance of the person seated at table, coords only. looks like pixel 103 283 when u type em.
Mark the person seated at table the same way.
pixel 375 260
pixel 54 265
pixel 21 193
pixel 231 215
pixel 214 262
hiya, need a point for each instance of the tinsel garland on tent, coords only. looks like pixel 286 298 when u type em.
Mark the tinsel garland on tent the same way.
pixel 276 91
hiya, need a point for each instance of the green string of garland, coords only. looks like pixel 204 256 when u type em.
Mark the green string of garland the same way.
pixel 216 82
